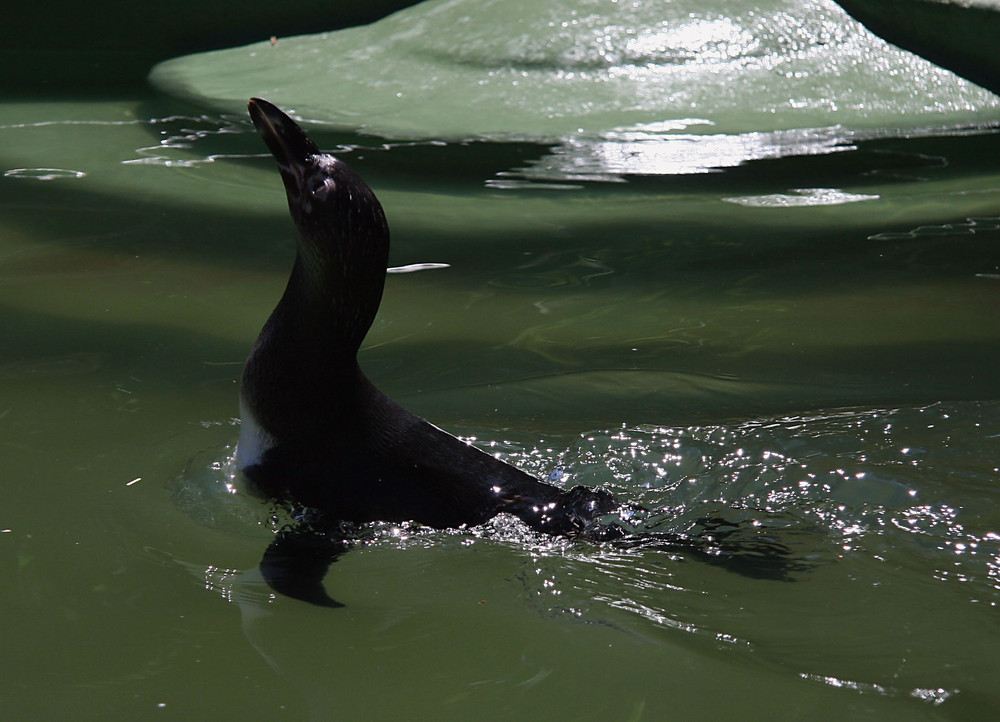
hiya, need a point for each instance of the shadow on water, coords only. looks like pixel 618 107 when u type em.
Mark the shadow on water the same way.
pixel 46 54
pixel 511 387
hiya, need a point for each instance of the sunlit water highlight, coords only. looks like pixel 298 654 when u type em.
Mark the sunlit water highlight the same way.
pixel 617 88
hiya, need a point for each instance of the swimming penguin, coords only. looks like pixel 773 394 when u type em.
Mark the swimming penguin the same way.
pixel 316 432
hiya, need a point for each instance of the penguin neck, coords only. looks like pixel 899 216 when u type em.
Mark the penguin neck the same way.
pixel 302 378
pixel 302 385
pixel 337 281
pixel 328 310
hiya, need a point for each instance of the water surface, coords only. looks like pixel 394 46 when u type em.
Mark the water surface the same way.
pixel 804 343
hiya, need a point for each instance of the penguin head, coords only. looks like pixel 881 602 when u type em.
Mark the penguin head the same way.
pixel 325 195
pixel 343 243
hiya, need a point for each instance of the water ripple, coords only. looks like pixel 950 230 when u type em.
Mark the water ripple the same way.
pixel 886 514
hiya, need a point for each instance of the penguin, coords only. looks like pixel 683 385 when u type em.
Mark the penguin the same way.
pixel 316 433
pixel 318 437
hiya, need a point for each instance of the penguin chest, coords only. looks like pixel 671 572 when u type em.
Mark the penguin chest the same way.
pixel 254 441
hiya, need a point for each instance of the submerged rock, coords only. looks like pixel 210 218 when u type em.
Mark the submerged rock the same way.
pixel 550 70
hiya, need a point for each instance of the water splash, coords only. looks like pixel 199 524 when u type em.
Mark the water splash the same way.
pixel 844 487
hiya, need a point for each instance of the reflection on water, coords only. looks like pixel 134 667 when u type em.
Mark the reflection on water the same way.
pixel 657 149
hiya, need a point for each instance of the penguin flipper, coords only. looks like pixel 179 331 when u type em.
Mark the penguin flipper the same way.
pixel 296 562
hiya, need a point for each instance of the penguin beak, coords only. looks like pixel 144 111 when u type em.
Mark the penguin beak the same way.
pixel 288 143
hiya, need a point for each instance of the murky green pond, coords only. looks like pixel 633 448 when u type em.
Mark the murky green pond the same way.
pixel 796 329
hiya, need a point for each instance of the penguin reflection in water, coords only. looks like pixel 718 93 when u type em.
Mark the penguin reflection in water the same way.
pixel 317 434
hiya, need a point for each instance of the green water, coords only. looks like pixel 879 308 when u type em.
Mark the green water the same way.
pixel 805 341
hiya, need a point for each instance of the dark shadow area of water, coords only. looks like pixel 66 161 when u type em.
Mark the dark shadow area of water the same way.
pixel 104 42
pixel 517 388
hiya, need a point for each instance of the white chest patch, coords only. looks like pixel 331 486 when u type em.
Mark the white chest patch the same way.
pixel 254 441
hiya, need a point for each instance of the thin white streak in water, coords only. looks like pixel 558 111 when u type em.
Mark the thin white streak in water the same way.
pixel 414 267
pixel 801 197
pixel 43 174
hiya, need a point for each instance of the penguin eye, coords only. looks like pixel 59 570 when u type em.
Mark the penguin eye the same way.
pixel 322 190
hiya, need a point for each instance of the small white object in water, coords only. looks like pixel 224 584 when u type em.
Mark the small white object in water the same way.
pixel 414 267
pixel 43 174
pixel 802 197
